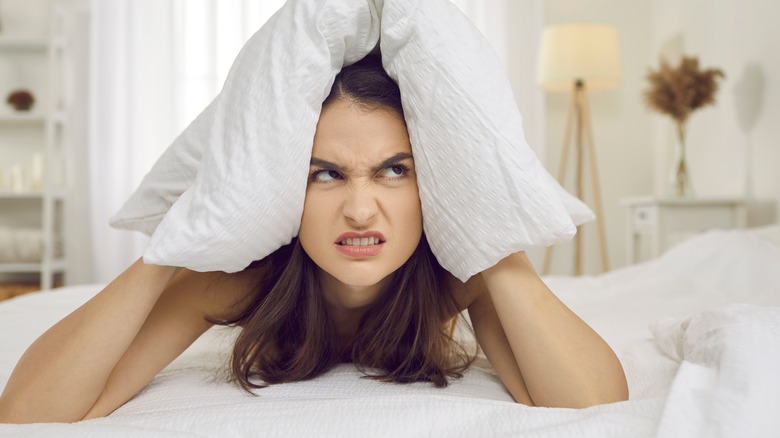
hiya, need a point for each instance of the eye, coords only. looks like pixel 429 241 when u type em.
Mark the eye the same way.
pixel 325 175
pixel 396 171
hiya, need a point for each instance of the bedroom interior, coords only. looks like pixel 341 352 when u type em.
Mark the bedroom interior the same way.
pixel 680 267
pixel 635 147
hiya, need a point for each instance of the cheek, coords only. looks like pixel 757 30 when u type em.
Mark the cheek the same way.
pixel 407 213
pixel 314 211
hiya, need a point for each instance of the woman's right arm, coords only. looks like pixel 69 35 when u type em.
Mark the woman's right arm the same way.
pixel 107 350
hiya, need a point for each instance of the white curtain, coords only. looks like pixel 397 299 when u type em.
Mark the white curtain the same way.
pixel 131 116
pixel 157 63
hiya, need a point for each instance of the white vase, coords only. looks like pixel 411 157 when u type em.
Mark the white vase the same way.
pixel 679 178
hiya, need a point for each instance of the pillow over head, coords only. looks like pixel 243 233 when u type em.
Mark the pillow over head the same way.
pixel 230 189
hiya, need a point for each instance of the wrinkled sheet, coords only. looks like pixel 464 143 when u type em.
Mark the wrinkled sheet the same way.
pixel 723 385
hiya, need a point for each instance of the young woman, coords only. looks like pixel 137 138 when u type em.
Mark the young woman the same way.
pixel 359 284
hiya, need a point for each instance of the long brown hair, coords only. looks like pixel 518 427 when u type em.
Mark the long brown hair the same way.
pixel 288 333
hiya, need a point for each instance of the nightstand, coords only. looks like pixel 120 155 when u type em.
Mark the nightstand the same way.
pixel 667 221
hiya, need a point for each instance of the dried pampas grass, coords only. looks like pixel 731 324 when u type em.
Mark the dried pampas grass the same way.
pixel 679 91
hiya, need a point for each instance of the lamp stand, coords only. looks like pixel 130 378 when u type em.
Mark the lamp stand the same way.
pixel 578 109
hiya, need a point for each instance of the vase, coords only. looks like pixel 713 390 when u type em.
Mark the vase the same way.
pixel 679 178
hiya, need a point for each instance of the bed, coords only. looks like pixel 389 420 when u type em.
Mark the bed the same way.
pixel 697 331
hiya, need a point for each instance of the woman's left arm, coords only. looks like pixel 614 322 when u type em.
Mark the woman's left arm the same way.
pixel 538 346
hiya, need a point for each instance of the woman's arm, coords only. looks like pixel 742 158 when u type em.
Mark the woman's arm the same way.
pixel 541 350
pixel 103 353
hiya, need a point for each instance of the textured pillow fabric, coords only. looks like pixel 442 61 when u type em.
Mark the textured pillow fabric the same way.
pixel 170 176
pixel 483 190
pixel 484 193
pixel 247 197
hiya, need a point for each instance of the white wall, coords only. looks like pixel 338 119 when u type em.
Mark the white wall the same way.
pixel 733 148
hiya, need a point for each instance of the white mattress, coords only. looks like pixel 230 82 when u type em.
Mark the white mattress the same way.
pixel 191 398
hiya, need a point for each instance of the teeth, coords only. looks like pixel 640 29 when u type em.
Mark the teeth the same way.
pixel 360 241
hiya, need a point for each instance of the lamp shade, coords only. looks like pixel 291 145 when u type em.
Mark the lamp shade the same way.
pixel 589 52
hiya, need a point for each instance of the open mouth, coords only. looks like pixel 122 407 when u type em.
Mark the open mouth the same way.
pixel 361 241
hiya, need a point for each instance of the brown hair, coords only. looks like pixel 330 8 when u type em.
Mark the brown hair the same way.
pixel 288 334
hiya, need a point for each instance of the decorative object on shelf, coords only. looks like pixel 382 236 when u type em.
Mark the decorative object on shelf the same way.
pixel 16 178
pixel 24 245
pixel 678 92
pixel 36 172
pixel 573 58
pixel 21 100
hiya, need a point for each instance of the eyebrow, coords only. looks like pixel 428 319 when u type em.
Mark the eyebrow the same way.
pixel 386 163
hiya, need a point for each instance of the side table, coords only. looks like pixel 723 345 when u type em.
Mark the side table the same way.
pixel 667 221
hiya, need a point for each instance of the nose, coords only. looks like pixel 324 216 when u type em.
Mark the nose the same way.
pixel 360 206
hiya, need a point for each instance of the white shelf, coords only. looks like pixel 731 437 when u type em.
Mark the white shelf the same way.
pixel 57 265
pixel 22 117
pixel 31 194
pixel 58 117
pixel 20 43
pixel 46 119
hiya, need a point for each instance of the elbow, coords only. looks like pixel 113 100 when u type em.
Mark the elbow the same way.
pixel 12 413
pixel 617 389
pixel 614 393
pixel 622 393
pixel 611 397
pixel 610 388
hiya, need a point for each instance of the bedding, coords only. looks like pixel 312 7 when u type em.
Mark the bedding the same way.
pixel 237 194
pixel 697 331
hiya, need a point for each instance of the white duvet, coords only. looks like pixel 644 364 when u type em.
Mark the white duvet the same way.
pixel 697 364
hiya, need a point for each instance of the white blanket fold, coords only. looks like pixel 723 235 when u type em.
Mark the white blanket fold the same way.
pixel 484 192
pixel 728 383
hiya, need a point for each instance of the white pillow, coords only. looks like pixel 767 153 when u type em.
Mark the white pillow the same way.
pixel 170 176
pixel 484 193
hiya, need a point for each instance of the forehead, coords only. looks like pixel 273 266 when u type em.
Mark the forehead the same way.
pixel 350 135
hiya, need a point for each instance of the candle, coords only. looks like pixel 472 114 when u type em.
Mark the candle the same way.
pixel 16 178
pixel 37 171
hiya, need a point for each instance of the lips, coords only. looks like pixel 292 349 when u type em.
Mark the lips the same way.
pixel 360 239
pixel 360 245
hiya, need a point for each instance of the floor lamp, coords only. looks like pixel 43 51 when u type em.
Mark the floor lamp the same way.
pixel 576 58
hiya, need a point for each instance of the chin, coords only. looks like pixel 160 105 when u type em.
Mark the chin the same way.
pixel 361 279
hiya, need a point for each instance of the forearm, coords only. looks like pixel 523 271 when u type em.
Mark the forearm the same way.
pixel 65 369
pixel 562 360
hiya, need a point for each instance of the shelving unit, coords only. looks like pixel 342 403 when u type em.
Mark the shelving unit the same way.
pixel 41 130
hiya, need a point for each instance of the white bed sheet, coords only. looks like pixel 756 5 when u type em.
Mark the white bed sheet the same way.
pixel 191 398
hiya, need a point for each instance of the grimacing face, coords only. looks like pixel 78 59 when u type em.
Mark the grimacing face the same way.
pixel 362 218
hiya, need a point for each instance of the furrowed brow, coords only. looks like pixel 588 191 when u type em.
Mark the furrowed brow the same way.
pixel 386 163
pixel 395 159
pixel 326 164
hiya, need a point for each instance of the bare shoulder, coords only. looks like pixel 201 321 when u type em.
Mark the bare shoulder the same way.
pixel 216 294
pixel 465 293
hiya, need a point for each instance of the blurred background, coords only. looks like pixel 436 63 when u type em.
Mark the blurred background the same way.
pixel 113 82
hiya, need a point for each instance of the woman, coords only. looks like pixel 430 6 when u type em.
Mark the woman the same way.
pixel 359 284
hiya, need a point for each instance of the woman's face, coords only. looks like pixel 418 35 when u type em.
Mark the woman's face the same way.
pixel 361 218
